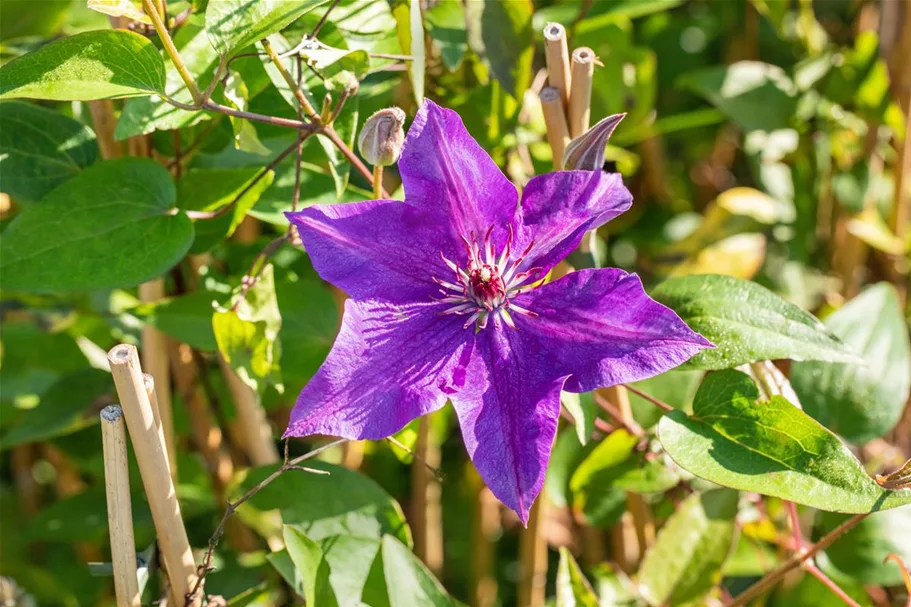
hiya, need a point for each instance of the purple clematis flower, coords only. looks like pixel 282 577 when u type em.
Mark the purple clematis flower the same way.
pixel 447 304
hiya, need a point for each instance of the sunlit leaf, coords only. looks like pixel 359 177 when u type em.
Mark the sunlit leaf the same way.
pixel 772 448
pixel 93 65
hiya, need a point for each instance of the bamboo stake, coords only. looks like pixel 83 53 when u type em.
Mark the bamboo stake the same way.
pixel 208 437
pixel 485 527
pixel 149 383
pixel 256 432
pixel 555 119
pixel 580 95
pixel 120 509
pixel 533 556
pixel 636 529
pixel 105 122
pixel 156 477
pixel 154 358
pixel 426 509
pixel 557 54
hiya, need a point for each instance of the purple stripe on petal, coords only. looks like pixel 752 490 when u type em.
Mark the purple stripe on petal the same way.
pixel 602 328
pixel 390 364
pixel 558 208
pixel 508 413
pixel 382 249
pixel 443 168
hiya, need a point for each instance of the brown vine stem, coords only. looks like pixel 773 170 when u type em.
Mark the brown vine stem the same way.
pixel 661 405
pixel 228 207
pixel 231 508
pixel 796 561
pixel 322 20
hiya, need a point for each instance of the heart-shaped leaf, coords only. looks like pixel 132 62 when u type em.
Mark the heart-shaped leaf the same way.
pixel 234 24
pixel 747 323
pixel 861 401
pixel 102 64
pixel 113 225
pixel 771 447
pixel 40 149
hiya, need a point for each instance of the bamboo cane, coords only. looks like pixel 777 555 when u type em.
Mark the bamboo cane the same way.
pixel 156 475
pixel 556 52
pixel 120 509
pixel 149 382
pixel 580 95
pixel 154 358
pixel 427 511
pixel 533 556
pixel 256 432
pixel 555 119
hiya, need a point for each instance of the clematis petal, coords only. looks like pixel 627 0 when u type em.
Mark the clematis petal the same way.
pixel 508 413
pixel 558 208
pixel 443 167
pixel 602 328
pixel 389 365
pixel 382 249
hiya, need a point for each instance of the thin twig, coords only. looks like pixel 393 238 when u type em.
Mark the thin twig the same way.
pixel 232 507
pixel 322 20
pixel 259 263
pixel 816 572
pixel 269 167
pixel 660 404
pixel 629 424
pixel 796 561
pixel 296 196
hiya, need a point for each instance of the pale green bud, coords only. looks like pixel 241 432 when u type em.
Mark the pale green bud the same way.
pixel 381 139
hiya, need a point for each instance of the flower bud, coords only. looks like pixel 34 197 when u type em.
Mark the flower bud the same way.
pixel 380 142
pixel 586 152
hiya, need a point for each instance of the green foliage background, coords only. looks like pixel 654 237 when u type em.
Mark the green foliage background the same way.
pixel 763 143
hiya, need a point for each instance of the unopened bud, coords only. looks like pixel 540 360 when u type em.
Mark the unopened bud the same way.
pixel 381 139
pixel 586 152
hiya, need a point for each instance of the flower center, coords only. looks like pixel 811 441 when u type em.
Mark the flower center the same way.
pixel 484 288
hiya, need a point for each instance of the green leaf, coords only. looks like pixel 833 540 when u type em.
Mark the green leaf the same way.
pixel 685 561
pixel 247 333
pixel 810 592
pixel 308 330
pixel 675 388
pixel 860 553
pixel 187 318
pixel 773 448
pixel 350 560
pixel 407 579
pixel 342 502
pixel 747 323
pixel 566 455
pixel 861 401
pixel 311 565
pixel 21 18
pixel 40 149
pixel 416 68
pixel 93 65
pixel 446 26
pixel 234 24
pixel 211 190
pixel 755 95
pixel 501 33
pixel 148 114
pixel 131 9
pixel 614 450
pixel 573 590
pixel 67 406
pixel 111 226
pixel 584 411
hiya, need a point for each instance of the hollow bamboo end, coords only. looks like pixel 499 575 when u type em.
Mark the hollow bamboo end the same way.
pixel 584 55
pixel 554 32
pixel 121 354
pixel 112 414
